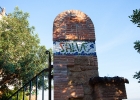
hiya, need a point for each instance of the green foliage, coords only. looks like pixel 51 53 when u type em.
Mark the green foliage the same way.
pixel 10 92
pixel 137 46
pixel 7 92
pixel 21 56
pixel 135 18
pixel 137 76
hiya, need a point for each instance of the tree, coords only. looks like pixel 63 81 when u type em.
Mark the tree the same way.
pixel 21 56
pixel 135 18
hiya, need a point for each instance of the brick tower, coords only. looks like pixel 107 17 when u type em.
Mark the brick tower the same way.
pixel 75 59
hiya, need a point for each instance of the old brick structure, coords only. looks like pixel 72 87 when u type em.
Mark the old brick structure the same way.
pixel 75 60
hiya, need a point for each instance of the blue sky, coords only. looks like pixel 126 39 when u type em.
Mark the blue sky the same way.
pixel 115 34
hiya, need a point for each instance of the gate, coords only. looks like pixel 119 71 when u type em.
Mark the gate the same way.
pixel 27 89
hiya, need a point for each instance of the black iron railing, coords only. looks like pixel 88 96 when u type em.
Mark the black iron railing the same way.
pixel 27 90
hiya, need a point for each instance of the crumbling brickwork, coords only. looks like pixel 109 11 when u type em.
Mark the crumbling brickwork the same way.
pixel 72 71
pixel 109 91
pixel 75 61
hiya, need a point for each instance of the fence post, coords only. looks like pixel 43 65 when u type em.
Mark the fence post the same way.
pixel 49 76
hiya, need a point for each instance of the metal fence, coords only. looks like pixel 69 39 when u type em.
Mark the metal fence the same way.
pixel 30 89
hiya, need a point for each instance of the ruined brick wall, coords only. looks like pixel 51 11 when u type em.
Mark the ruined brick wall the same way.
pixel 110 91
pixel 108 88
pixel 75 59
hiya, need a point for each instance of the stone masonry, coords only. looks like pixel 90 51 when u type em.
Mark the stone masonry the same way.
pixel 72 72
pixel 75 60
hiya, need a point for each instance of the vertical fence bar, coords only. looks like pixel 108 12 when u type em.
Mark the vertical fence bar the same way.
pixel 17 95
pixel 50 83
pixel 30 90
pixel 43 86
pixel 49 76
pixel 36 86
pixel 23 92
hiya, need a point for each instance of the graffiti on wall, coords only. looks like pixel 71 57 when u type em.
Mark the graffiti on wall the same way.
pixel 74 48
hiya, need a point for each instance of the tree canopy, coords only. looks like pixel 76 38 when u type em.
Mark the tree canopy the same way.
pixel 21 56
pixel 135 18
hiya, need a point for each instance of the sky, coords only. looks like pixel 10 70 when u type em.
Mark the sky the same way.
pixel 115 33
